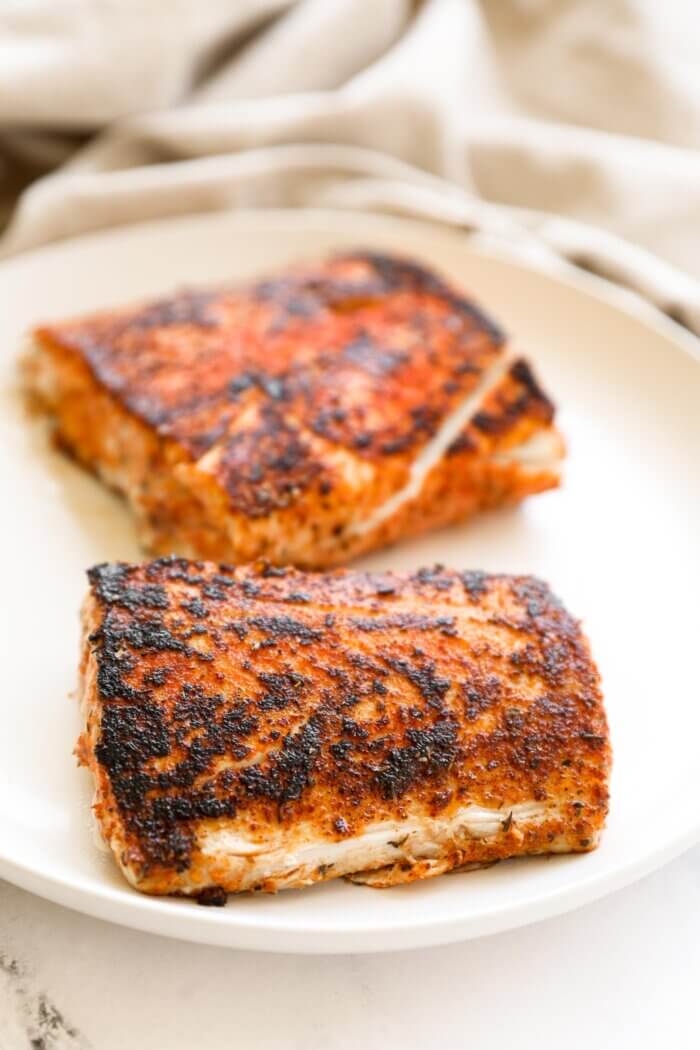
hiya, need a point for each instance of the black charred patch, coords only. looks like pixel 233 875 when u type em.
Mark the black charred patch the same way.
pixel 525 659
pixel 163 840
pixel 555 661
pixel 279 627
pixel 199 753
pixel 238 723
pixel 403 622
pixel 110 681
pixel 238 627
pixel 475 583
pixel 480 693
pixel 594 740
pixel 219 580
pixel 514 720
pixel 113 661
pixel 397 273
pixel 298 758
pixel 298 597
pixel 116 641
pixel 280 689
pixel 423 424
pixel 427 753
pixel 111 584
pixel 187 308
pixel 351 728
pixel 520 371
pixel 272 386
pixel 212 897
pixel 264 467
pixel 289 770
pixel 429 684
pixel 490 424
pixel 462 443
pixel 170 565
pixel 241 383
pixel 291 299
pixel 271 571
pixel 153 635
pixel 195 706
pixel 197 805
pixel 376 361
pixel 300 307
pixel 366 664
pixel 399 444
pixel 131 734
pixel 534 595
pixel 434 576
pixel 326 422
pixel 158 676
pixel 215 592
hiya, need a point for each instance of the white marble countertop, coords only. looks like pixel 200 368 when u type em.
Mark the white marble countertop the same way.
pixel 620 973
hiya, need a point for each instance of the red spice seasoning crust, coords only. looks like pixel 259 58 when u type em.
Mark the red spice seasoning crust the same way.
pixel 257 728
pixel 275 420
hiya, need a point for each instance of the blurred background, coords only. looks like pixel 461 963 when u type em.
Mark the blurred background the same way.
pixel 568 126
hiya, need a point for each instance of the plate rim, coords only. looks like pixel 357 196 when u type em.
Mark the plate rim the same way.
pixel 204 926
pixel 127 907
pixel 481 242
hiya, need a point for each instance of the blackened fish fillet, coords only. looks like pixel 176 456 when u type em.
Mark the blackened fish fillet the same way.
pixel 306 419
pixel 262 728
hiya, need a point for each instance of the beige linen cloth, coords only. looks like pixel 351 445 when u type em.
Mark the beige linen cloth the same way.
pixel 568 127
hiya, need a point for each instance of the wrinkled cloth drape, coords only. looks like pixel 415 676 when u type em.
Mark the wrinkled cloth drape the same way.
pixel 571 128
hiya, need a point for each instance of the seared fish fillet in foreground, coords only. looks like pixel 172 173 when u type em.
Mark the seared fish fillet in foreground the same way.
pixel 305 419
pixel 261 728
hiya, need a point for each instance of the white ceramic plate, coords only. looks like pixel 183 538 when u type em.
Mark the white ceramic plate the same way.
pixel 619 542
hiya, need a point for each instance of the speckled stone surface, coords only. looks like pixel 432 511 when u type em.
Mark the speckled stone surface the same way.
pixel 619 973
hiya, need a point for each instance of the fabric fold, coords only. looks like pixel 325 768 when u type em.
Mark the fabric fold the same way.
pixel 566 131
